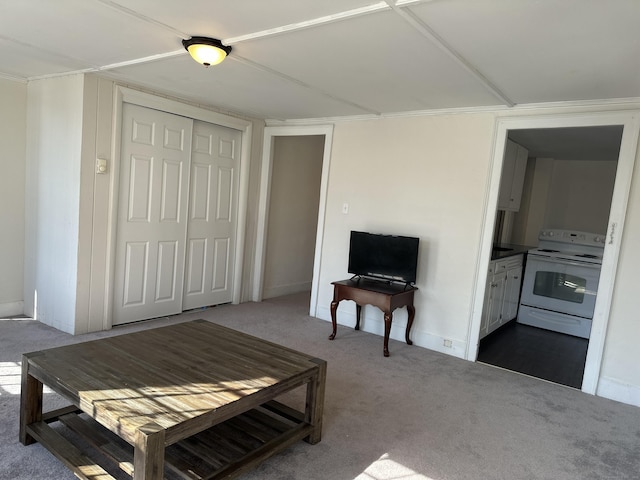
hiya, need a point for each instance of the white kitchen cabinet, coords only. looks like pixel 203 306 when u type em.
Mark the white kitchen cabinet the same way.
pixel 513 281
pixel 502 293
pixel 512 180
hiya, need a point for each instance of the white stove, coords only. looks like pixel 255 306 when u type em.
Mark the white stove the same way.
pixel 570 245
pixel 561 281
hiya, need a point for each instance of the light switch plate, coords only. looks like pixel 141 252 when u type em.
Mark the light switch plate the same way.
pixel 101 165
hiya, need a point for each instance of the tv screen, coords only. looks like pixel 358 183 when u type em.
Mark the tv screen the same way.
pixel 388 257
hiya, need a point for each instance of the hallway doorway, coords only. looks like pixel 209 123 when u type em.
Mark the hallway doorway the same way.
pixel 270 144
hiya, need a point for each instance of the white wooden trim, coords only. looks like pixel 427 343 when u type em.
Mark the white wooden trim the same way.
pixel 128 95
pixel 620 391
pixel 263 204
pixel 619 202
pixel 630 120
pixel 178 108
pixel 575 106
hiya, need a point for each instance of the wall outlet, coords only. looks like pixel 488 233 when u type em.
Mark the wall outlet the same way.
pixel 448 343
pixel 345 208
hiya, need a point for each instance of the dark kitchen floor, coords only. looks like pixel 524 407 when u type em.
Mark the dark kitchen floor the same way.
pixel 537 352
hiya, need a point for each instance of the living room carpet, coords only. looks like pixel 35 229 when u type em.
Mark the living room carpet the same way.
pixel 416 415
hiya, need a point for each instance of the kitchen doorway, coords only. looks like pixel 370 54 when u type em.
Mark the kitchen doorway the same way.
pixel 567 186
pixel 614 223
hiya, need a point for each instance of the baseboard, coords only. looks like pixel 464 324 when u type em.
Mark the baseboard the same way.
pixel 375 324
pixel 289 289
pixel 616 390
pixel 11 309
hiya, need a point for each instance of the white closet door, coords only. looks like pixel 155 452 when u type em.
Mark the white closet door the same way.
pixel 213 209
pixel 152 214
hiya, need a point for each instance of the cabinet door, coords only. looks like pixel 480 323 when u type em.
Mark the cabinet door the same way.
pixel 496 294
pixel 512 293
pixel 514 166
pixel 508 167
pixel 486 306
pixel 517 184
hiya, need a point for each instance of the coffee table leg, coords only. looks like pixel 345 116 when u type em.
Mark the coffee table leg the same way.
pixel 315 401
pixel 148 456
pixel 30 402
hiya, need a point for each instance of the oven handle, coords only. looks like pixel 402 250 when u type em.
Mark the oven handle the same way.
pixel 564 261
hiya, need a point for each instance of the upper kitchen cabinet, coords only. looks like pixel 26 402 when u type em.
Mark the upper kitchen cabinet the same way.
pixel 512 180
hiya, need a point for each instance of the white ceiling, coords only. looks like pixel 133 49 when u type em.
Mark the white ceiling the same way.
pixel 295 59
pixel 575 143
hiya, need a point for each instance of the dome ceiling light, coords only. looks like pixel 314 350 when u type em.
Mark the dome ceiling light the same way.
pixel 205 50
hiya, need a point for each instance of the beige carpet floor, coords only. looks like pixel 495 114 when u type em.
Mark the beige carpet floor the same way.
pixel 417 415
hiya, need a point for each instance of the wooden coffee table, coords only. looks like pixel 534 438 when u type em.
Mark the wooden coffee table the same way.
pixel 192 400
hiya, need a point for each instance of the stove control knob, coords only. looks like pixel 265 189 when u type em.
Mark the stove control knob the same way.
pixel 551 234
pixel 598 240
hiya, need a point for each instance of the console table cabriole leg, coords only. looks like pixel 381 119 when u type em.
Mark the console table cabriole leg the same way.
pixel 358 312
pixel 412 313
pixel 334 308
pixel 388 318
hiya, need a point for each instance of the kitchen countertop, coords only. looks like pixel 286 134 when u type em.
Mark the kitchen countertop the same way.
pixel 504 250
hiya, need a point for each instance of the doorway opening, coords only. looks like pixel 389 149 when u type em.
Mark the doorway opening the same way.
pixel 568 185
pixel 568 182
pixel 292 219
pixel 294 179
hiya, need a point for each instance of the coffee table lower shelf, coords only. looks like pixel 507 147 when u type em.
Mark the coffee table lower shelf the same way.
pixel 226 450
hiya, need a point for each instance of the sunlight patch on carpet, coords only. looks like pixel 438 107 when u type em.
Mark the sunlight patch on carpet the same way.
pixel 10 373
pixel 387 469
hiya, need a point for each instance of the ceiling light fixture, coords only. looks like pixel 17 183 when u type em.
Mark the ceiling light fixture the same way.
pixel 205 50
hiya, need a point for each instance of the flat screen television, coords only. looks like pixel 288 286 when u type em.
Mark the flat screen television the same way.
pixel 388 257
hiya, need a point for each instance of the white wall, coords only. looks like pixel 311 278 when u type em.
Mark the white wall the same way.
pixel 580 195
pixel 293 214
pixel 417 176
pixel 569 194
pixel 13 98
pixel 424 177
pixel 54 130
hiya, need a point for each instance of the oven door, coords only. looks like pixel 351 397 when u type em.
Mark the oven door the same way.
pixel 564 286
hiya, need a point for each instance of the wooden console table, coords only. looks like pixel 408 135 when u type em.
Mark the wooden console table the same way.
pixel 196 399
pixel 384 295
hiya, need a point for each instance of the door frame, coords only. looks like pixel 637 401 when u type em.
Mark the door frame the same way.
pixel 263 204
pixel 127 95
pixel 630 121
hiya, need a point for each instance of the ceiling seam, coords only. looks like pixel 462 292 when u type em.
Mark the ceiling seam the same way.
pixel 132 13
pixel 286 77
pixel 12 78
pixel 49 53
pixel 356 12
pixel 293 27
pixel 412 19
